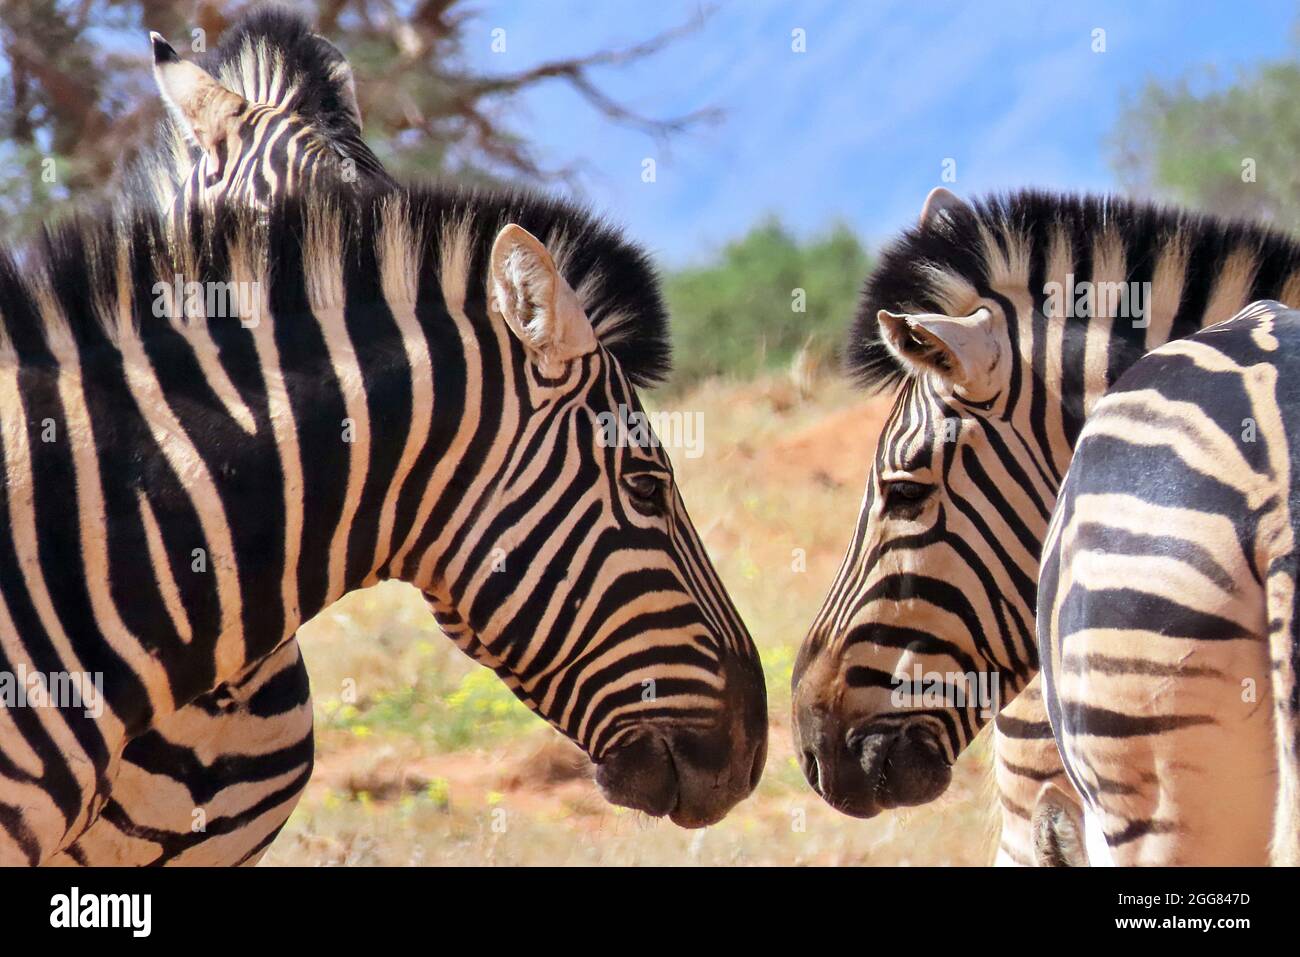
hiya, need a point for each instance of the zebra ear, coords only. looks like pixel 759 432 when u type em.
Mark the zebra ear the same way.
pixel 961 350
pixel 340 73
pixel 537 303
pixel 939 202
pixel 204 108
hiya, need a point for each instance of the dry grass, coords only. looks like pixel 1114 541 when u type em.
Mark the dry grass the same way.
pixel 425 758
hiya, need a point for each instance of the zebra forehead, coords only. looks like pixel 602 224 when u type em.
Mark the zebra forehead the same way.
pixel 340 235
pixel 1000 241
pixel 916 428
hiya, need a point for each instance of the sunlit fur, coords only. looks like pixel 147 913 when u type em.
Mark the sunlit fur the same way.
pixel 463 472
pixel 954 586
pixel 241 754
pixel 1167 601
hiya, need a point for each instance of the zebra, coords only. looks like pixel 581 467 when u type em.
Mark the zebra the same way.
pixel 1166 602
pixel 1003 321
pixel 271 110
pixel 407 384
pixel 215 782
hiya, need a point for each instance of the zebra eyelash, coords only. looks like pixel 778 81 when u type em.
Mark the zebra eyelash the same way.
pixel 904 498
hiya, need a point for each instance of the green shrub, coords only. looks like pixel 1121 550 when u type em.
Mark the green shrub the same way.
pixel 738 315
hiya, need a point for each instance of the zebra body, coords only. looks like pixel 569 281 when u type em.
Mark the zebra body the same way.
pixel 1167 600
pixel 965 312
pixel 395 396
pixel 215 782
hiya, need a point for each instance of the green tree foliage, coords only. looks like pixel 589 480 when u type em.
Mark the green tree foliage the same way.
pixel 1229 149
pixel 739 314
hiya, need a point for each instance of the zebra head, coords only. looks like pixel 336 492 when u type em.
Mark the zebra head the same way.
pixel 929 624
pixel 269 111
pixel 575 572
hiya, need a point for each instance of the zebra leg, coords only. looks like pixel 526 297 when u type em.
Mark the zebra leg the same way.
pixel 215 782
pixel 1025 761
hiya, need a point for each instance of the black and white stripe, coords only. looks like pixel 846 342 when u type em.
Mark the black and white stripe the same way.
pixel 214 783
pixel 270 111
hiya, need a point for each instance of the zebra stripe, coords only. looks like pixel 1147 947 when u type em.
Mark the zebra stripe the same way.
pixel 565 562
pixel 208 784
pixel 997 378
pixel 270 111
pixel 213 783
pixel 1166 604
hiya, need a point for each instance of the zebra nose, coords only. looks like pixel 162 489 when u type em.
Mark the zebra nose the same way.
pixel 831 766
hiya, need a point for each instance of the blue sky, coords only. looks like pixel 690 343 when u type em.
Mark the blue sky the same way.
pixel 857 127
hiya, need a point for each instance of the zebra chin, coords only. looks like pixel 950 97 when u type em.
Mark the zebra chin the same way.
pixel 874 769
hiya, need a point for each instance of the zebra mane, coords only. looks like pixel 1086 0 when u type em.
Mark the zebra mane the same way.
pixel 90 282
pixel 271 56
pixel 1006 237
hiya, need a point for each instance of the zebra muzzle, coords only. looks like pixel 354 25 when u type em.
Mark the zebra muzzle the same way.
pixel 692 777
pixel 872 769
pixel 905 766
pixel 640 775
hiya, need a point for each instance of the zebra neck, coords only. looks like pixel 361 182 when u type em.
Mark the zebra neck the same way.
pixel 405 445
pixel 334 441
pixel 1105 315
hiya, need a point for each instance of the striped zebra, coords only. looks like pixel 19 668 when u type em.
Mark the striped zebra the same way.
pixel 1166 604
pixel 215 782
pixel 270 111
pixel 361 386
pixel 1003 322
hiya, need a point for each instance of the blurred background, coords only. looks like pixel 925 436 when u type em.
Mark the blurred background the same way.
pixel 762 151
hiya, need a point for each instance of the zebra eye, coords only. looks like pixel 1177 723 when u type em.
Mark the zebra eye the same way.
pixel 904 497
pixel 647 492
